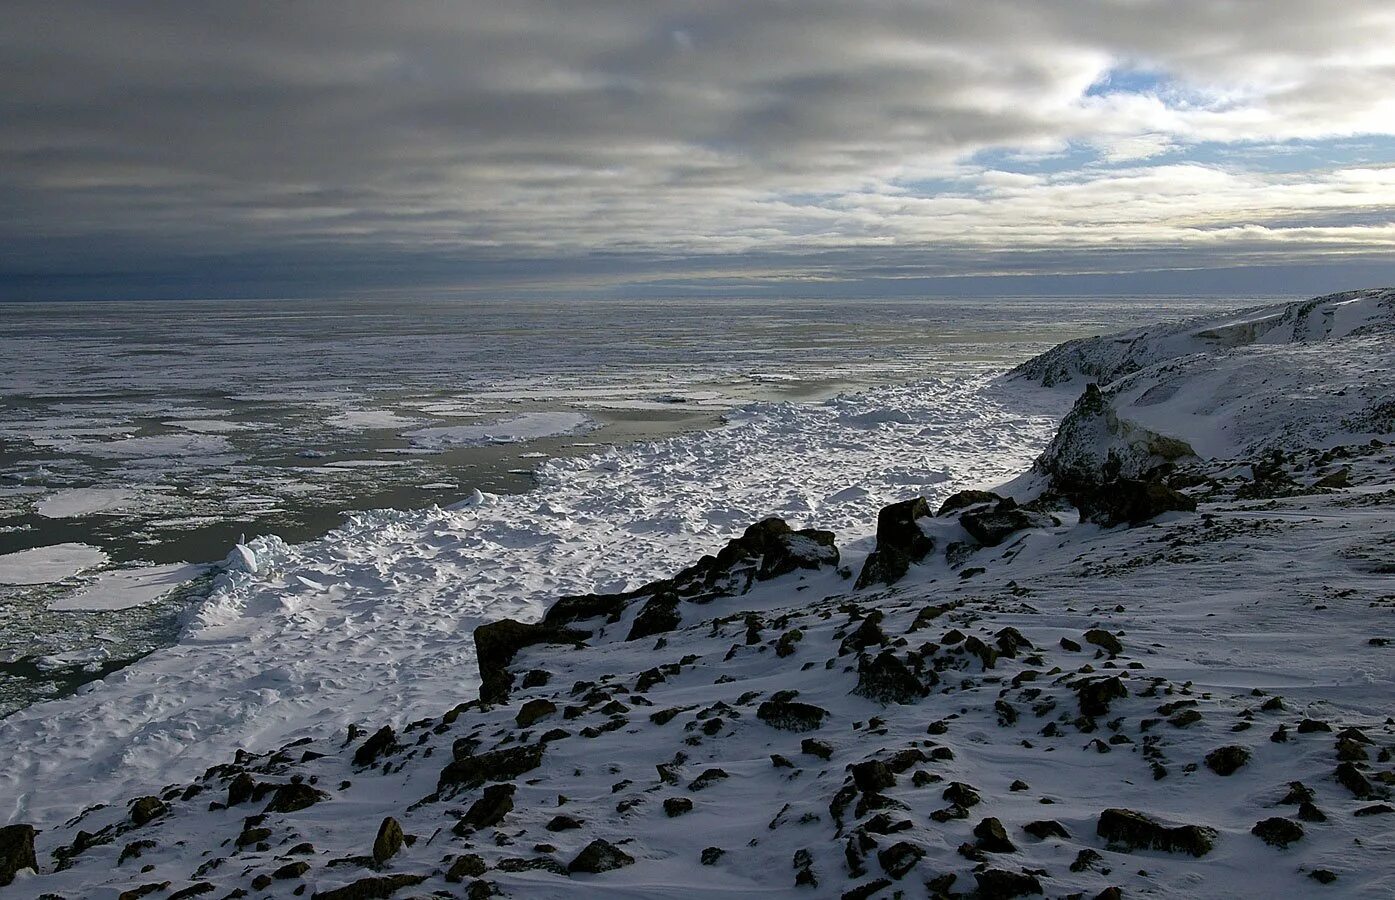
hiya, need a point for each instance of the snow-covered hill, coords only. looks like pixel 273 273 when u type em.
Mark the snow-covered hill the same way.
pixel 995 699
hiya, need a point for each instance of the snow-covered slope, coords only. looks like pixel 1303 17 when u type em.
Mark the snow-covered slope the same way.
pixel 1197 707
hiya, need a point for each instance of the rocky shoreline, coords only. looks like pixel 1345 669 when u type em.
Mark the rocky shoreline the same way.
pixel 1113 676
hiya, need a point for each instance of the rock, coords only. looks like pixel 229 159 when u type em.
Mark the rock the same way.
pixel 240 789
pixel 1046 828
pixel 899 858
pixel 496 644
pixel 194 890
pixel 1000 884
pixel 966 499
pixel 872 776
pixel 374 888
pixel 533 710
pixel 790 715
pixel 490 809
pixel 388 842
pixel 133 850
pixel 1349 777
pixel 564 823
pixel 677 806
pixel 1277 831
pixel 1377 809
pixel 536 678
pixel 708 778
pixel 147 809
pixel 804 869
pixel 1309 726
pixel 1068 644
pixel 1323 876
pixel 1095 696
pixel 466 865
pixel 471 771
pixel 866 891
pixel 384 740
pixel 1103 639
pixel 658 615
pixel 885 679
pixel 1087 859
pixel 145 890
pixel 1010 641
pixel 600 856
pixel 16 851
pixel 1127 829
pixel 250 836
pixel 814 747
pixel 900 542
pixel 961 794
pixel 1128 500
pixel 710 855
pixel 992 836
pixel 1227 760
pixel 990 527
pixel 289 798
pixel 291 870
pixel 1310 813
pixel 868 634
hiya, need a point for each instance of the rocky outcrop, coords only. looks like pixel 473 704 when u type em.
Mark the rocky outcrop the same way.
pixel 900 543
pixel 1093 445
pixel 1126 829
pixel 1131 501
pixel 16 851
pixel 496 644
pixel 993 525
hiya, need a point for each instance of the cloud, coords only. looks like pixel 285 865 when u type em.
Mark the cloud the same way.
pixel 420 138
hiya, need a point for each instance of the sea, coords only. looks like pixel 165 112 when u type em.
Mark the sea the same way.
pixel 143 443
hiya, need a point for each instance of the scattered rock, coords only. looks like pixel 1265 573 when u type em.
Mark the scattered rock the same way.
pixel 16 851
pixel 533 710
pixel 600 856
pixel 790 715
pixel 496 644
pixel 384 740
pixel 1128 500
pixel 677 806
pixel 1130 830
pixel 466 865
pixel 886 679
pixel 489 810
pixel 900 542
pixel 289 798
pixel 1046 828
pixel 992 836
pixel 899 858
pixel 1000 883
pixel 388 842
pixel 374 888
pixel 564 823
pixel 147 809
pixel 1226 761
pixel 471 771
pixel 1278 831
pixel 1103 639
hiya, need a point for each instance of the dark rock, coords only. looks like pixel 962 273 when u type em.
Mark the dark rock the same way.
pixel 1323 876
pixel 992 836
pixel 471 771
pixel 600 856
pixel 1087 859
pixel 966 499
pixel 658 615
pixel 1227 760
pixel 864 891
pixel 1309 726
pixel 872 775
pixel 1378 809
pixel 1310 813
pixel 388 842
pixel 291 870
pixel 1127 500
pixel 536 678
pixel 1277 831
pixel 868 634
pixel 533 710
pixel 708 778
pixel 1349 777
pixel 16 851
pixel 804 869
pixel 250 836
pixel 1000 884
pixel 1068 644
pixel 886 679
pixel 1130 830
pixel 815 747
pixel 900 542
pixel 289 798
pixel 677 806
pixel 134 850
pixel 375 888
pixel 145 890
pixel 147 809
pixel 1011 641
pixel 194 890
pixel 384 740
pixel 466 865
pixel 564 823
pixel 1095 696
pixel 1103 639
pixel 240 789
pixel 710 855
pixel 1046 828
pixel 990 527
pixel 489 810
pixel 789 715
pixel 961 794
pixel 899 858
pixel 496 644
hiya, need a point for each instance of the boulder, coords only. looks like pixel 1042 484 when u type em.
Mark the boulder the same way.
pixel 1278 831
pixel 1000 884
pixel 790 715
pixel 1131 501
pixel 388 842
pixel 147 809
pixel 496 643
pixel 374 888
pixel 384 740
pixel 469 771
pixel 16 851
pixel 900 542
pixel 886 679
pixel 600 856
pixel 534 710
pixel 966 499
pixel 290 798
pixel 1127 829
pixel 490 809
pixel 991 526
pixel 1227 760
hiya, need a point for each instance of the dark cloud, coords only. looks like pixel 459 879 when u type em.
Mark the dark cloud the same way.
pixel 319 146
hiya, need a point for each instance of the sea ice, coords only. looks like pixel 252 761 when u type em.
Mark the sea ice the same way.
pixel 127 588
pixel 45 565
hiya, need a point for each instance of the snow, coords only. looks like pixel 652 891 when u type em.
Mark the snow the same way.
pixel 75 502
pixel 1252 597
pixel 45 565
pixel 517 429
pixel 207 426
pixel 365 419
pixel 127 588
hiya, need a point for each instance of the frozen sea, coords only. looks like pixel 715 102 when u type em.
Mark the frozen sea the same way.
pixel 139 442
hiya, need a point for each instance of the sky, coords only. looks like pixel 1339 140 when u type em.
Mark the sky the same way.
pixel 807 148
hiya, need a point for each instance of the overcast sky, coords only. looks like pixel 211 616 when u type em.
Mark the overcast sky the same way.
pixel 806 148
